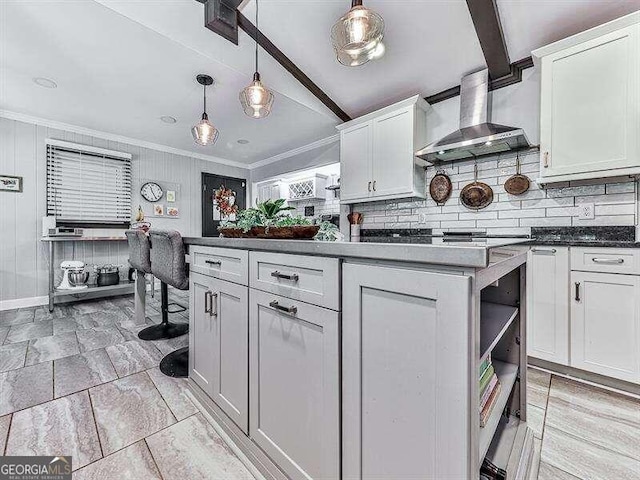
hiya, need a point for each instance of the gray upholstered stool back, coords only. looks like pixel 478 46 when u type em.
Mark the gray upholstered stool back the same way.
pixel 139 254
pixel 168 263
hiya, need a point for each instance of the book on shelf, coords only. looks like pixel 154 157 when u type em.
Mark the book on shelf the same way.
pixel 486 363
pixel 486 379
pixel 491 403
pixel 488 391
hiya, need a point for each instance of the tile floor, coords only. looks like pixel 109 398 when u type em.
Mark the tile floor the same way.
pixel 583 432
pixel 78 381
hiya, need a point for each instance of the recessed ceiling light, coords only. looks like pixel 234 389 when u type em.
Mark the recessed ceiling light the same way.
pixel 45 82
pixel 243 141
pixel 168 119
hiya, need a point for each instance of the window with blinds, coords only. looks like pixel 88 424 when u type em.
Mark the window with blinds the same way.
pixel 88 185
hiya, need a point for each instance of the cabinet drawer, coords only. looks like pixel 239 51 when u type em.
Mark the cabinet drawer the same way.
pixel 313 280
pixel 223 263
pixel 606 260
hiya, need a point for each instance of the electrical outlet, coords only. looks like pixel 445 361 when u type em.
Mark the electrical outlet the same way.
pixel 586 211
pixel 422 218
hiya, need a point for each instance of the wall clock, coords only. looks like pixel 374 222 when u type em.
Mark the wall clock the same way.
pixel 151 192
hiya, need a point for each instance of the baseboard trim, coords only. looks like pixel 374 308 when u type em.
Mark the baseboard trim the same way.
pixel 23 303
pixel 588 378
pixel 255 459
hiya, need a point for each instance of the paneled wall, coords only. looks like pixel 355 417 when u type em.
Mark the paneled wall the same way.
pixel 24 258
pixel 614 200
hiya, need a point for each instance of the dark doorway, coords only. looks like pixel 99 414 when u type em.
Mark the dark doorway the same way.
pixel 211 215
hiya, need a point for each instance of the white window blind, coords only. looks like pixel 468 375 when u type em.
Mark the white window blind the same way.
pixel 88 185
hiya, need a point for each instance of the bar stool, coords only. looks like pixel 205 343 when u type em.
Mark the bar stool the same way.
pixel 169 265
pixel 140 261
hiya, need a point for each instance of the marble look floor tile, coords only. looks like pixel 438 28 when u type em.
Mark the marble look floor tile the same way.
pixel 597 401
pixel 584 459
pixel 26 387
pixel 612 432
pixel 9 318
pixel 535 462
pixel 3 334
pixel 63 426
pixel 172 344
pixel 4 432
pixel 12 356
pixel 99 337
pixel 538 387
pixel 548 472
pixel 128 410
pixel 535 419
pixel 51 348
pixel 173 390
pixel 133 356
pixel 59 311
pixel 65 325
pixel 192 449
pixel 133 462
pixel 94 320
pixel 29 331
pixel 83 371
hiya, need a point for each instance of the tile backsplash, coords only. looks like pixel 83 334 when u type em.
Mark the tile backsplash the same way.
pixel 324 206
pixel 615 201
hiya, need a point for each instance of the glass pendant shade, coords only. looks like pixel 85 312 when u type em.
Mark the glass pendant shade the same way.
pixel 256 100
pixel 357 36
pixel 204 133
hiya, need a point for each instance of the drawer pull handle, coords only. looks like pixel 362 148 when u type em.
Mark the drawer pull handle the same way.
pixel 369 186
pixel 610 261
pixel 214 305
pixel 213 262
pixel 207 302
pixel 543 250
pixel 294 276
pixel 577 291
pixel 292 309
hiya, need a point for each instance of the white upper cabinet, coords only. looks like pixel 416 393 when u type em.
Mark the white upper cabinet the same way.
pixel 590 103
pixel 377 159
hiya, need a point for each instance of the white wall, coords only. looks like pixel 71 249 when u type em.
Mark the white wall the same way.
pixel 24 258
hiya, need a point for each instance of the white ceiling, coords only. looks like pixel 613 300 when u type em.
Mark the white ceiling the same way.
pixel 120 65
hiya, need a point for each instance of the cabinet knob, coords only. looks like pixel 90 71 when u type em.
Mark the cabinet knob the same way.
pixel 369 187
pixel 374 185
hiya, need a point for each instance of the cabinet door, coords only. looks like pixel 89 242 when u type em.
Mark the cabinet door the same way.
pixel 405 339
pixel 294 378
pixel 392 154
pixel 605 324
pixel 202 332
pixel 230 350
pixel 590 105
pixel 355 162
pixel 548 304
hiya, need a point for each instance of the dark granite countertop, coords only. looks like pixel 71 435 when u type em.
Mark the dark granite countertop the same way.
pixel 583 243
pixel 616 237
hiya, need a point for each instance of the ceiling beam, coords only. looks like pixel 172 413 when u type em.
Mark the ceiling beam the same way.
pixel 245 24
pixel 486 21
pixel 514 76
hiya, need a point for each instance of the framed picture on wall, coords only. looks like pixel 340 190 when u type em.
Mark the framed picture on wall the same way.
pixel 10 183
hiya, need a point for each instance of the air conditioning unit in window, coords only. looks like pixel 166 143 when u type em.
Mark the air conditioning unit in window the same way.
pixel 309 188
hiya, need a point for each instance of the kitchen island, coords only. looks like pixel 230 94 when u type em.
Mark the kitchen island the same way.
pixel 360 361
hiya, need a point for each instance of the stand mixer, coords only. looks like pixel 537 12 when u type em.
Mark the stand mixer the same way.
pixel 73 275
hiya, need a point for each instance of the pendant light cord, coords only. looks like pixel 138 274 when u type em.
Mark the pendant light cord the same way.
pixel 257 33
pixel 205 98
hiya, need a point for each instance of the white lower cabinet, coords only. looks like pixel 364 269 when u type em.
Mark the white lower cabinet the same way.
pixel 405 335
pixel 295 385
pixel 605 324
pixel 548 304
pixel 219 344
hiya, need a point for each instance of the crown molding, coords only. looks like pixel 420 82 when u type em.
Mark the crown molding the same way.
pixel 296 151
pixel 21 117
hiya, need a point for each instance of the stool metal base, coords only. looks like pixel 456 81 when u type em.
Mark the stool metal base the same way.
pixel 176 364
pixel 163 331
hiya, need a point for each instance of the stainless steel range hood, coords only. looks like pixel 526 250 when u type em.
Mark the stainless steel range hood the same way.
pixel 476 136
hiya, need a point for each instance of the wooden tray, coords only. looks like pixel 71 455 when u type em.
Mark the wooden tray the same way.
pixel 299 232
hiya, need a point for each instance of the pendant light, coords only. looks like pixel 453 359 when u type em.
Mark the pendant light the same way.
pixel 357 36
pixel 204 133
pixel 256 100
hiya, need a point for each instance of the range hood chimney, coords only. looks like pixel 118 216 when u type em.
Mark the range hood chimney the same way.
pixel 476 136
